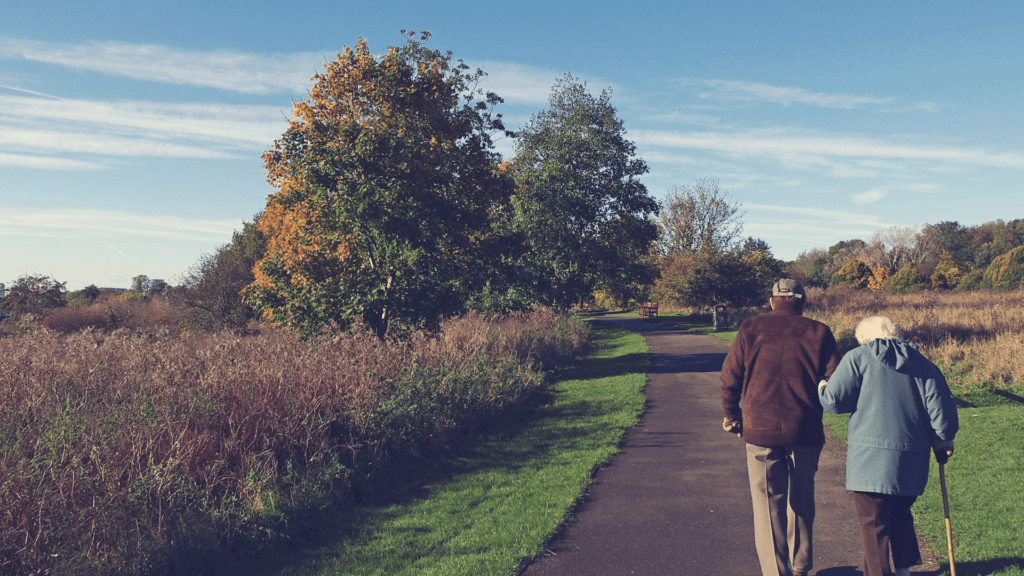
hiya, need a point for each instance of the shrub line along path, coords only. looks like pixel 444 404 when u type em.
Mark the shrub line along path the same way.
pixel 676 500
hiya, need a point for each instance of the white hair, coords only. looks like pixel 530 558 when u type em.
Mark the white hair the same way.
pixel 874 327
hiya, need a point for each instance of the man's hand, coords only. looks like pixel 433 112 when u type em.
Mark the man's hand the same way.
pixel 943 450
pixel 733 426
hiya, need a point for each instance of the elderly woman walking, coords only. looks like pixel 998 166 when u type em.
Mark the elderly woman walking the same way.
pixel 901 410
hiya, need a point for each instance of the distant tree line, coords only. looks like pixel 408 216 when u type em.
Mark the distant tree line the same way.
pixel 943 256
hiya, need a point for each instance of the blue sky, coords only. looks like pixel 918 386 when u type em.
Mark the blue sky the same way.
pixel 131 132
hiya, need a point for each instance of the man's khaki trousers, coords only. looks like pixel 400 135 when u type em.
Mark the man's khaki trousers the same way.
pixel 782 490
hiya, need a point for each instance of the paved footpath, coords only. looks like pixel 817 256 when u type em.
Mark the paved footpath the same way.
pixel 676 500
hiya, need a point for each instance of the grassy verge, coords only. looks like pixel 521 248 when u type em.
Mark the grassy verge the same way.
pixel 490 505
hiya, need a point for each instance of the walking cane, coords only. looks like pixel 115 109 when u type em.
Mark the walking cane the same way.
pixel 945 510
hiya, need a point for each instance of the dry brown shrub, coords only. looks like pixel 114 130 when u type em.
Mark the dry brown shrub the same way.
pixel 136 313
pixel 975 336
pixel 114 444
pixel 75 319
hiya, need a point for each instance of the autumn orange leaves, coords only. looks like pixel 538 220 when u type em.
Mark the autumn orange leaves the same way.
pixel 387 183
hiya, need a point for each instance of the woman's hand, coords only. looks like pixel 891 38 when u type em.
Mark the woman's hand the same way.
pixel 943 450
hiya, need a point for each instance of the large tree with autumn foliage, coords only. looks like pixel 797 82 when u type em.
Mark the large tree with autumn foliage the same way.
pixel 387 184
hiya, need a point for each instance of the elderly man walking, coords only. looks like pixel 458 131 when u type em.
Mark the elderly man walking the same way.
pixel 770 399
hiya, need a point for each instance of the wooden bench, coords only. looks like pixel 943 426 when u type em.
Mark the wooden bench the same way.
pixel 647 309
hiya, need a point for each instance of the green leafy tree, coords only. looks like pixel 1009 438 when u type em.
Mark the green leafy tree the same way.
pixel 1006 272
pixel 582 214
pixel 34 295
pixel 837 249
pixel 946 275
pixel 947 237
pixel 971 280
pixel 905 279
pixel 809 268
pixel 631 284
pixel 91 292
pixel 757 270
pixel 855 274
pixel 140 284
pixel 842 252
pixel 84 297
pixel 703 279
pixel 387 186
pixel 213 287
pixel 739 277
pixel 693 279
pixel 993 239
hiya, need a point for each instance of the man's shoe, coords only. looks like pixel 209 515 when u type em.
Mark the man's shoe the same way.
pixel 795 573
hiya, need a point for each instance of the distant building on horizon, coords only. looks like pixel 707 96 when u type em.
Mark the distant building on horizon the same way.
pixel 3 290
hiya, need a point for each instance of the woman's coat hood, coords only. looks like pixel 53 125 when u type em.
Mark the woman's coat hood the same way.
pixel 894 353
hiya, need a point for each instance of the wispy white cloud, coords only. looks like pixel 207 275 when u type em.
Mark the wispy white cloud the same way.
pixel 242 125
pixel 873 195
pixel 78 223
pixel 245 73
pixel 47 125
pixel 879 192
pixel 798 228
pixel 823 214
pixel 806 232
pixel 55 141
pixel 224 70
pixel 756 91
pixel 670 168
pixel 926 107
pixel 46 162
pixel 115 249
pixel 7 85
pixel 705 120
pixel 517 83
pixel 520 84
pixel 779 144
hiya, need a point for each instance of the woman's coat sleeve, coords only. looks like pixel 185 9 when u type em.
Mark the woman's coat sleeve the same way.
pixel 843 389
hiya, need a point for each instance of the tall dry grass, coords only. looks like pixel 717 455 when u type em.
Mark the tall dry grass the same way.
pixel 977 337
pixel 130 451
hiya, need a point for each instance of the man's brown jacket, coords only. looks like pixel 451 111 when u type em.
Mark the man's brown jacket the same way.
pixel 770 378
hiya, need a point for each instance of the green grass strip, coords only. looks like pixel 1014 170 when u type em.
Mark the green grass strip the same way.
pixel 985 483
pixel 491 505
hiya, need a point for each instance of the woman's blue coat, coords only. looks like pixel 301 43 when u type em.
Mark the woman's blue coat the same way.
pixel 899 402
